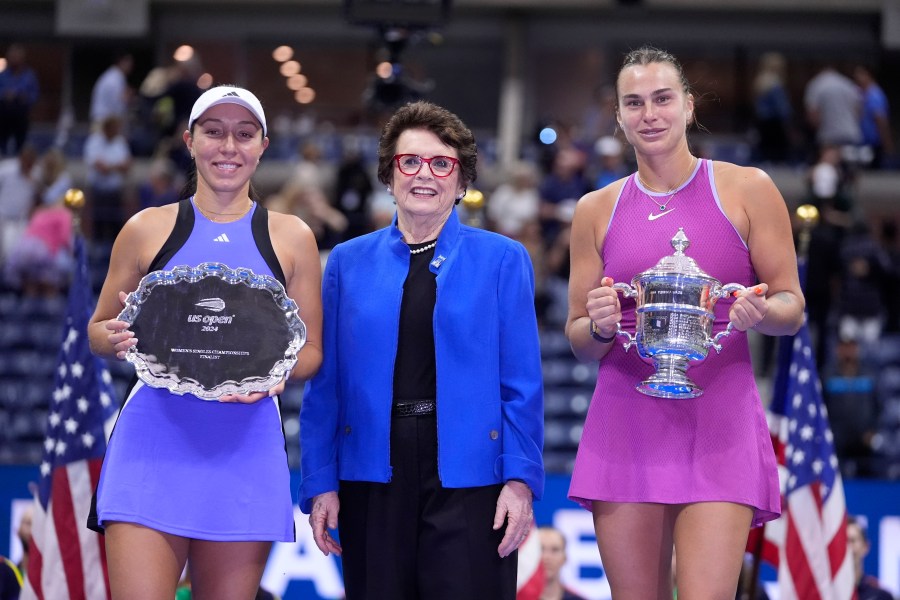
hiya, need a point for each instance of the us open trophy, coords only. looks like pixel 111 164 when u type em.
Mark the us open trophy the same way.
pixel 211 330
pixel 674 320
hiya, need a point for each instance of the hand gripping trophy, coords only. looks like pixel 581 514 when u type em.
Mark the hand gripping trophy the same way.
pixel 674 319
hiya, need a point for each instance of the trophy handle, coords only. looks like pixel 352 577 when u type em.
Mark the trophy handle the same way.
pixel 629 292
pixel 631 339
pixel 729 289
pixel 714 342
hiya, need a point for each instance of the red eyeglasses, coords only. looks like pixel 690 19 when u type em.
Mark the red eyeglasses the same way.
pixel 410 164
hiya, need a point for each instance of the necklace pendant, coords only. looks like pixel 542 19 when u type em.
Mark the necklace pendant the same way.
pixel 662 207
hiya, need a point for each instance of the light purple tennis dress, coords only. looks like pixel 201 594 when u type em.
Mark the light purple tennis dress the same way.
pixel 716 447
pixel 198 468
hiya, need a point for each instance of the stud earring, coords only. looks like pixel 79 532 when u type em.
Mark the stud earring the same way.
pixel 388 188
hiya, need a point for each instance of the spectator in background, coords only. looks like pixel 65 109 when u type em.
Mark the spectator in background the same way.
pixel 553 557
pixel 53 177
pixel 108 160
pixel 560 191
pixel 600 118
pixel 875 122
pixel 516 202
pixel 829 187
pixel 41 261
pixel 18 94
pixel 891 245
pixel 864 268
pixel 161 186
pixel 772 109
pixel 512 210
pixel 849 394
pixel 833 107
pixel 17 192
pixel 353 192
pixel 174 107
pixel 24 534
pixel 867 587
pixel 612 162
pixel 111 95
pixel 305 196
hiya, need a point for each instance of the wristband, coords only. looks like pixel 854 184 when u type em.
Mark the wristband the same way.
pixel 595 333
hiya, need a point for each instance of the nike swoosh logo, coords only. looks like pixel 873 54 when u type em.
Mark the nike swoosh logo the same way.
pixel 654 216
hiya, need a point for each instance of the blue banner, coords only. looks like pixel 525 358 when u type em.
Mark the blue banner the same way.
pixel 299 571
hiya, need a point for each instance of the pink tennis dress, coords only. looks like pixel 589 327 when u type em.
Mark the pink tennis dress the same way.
pixel 716 447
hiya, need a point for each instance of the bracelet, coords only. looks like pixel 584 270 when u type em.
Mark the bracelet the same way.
pixel 595 333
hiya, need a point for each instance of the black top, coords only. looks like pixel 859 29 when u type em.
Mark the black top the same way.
pixel 415 371
pixel 9 582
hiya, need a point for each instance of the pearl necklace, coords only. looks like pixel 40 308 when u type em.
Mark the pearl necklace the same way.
pixel 423 248
pixel 672 191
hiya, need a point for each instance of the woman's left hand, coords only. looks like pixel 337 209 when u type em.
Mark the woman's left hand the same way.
pixel 514 507
pixel 255 396
pixel 750 307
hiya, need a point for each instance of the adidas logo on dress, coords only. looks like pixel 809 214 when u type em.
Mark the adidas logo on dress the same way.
pixel 221 238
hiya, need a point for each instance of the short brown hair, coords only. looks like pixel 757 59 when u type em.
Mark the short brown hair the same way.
pixel 438 120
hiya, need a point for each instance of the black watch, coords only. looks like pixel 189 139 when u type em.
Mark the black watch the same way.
pixel 595 333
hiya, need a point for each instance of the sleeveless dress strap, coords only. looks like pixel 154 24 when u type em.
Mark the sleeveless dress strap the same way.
pixel 184 224
pixel 259 225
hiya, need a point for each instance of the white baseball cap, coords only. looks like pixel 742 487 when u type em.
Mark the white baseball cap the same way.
pixel 227 94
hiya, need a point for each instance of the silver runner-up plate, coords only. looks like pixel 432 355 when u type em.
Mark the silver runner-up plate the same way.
pixel 211 330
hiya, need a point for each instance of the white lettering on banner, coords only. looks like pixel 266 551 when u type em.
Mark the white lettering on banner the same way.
pixel 889 554
pixel 577 526
pixel 302 560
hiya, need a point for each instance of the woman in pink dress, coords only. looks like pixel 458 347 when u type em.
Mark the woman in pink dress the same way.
pixel 661 473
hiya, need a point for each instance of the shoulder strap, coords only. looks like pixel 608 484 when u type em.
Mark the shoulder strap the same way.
pixel 184 224
pixel 259 225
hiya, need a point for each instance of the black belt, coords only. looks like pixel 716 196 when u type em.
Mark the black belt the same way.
pixel 420 408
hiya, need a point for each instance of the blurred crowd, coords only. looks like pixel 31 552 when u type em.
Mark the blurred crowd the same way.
pixel 134 157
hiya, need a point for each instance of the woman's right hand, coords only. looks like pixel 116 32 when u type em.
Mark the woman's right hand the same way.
pixel 603 307
pixel 322 517
pixel 120 337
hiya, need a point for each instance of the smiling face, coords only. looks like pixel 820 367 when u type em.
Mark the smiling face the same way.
pixel 654 109
pixel 423 196
pixel 227 143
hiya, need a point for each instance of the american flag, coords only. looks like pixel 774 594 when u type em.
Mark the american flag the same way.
pixel 67 561
pixel 808 544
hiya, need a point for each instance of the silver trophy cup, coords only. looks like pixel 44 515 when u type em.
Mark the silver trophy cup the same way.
pixel 674 320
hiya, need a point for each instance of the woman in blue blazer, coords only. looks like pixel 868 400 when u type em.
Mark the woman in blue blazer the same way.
pixel 421 435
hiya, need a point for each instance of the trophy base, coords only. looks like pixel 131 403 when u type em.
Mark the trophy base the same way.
pixel 670 379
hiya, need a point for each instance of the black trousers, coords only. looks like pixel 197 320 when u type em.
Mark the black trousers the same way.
pixel 412 539
pixel 14 122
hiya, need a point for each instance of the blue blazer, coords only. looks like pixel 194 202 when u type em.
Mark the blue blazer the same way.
pixel 490 419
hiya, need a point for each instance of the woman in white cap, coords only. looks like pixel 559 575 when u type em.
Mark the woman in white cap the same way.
pixel 185 479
